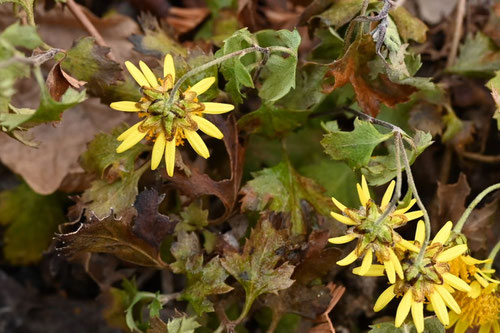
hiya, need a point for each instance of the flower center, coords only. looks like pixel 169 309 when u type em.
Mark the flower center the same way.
pixel 481 310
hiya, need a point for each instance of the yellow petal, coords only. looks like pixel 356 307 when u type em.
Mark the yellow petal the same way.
pixel 374 270
pixel 137 74
pixel 485 328
pixel 461 326
pixel 443 234
pixel 389 271
pixel 405 209
pixel 388 195
pixel 456 282
pixel 126 106
pixel 396 264
pixel 343 219
pixel 170 156
pixel 131 129
pixel 132 139
pixel 403 308
pixel 468 260
pixel 363 199
pixel 417 313
pixel 420 232
pixel 483 273
pixel 217 108
pixel 148 74
pixel 451 253
pixel 408 245
pixel 158 150
pixel 168 67
pixel 439 308
pixel 197 143
pixel 448 298
pixel 366 263
pixel 339 204
pixel 349 259
pixel 384 299
pixel 453 319
pixel 480 279
pixel 364 186
pixel 342 239
pixel 207 127
pixel 475 290
pixel 202 86
pixel 496 327
pixel 414 215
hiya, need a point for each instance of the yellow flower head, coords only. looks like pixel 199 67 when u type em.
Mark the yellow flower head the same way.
pixel 480 306
pixel 374 238
pixel 168 125
pixel 431 280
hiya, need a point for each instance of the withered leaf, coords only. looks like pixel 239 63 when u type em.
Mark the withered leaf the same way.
pixel 450 203
pixel 324 322
pixel 202 280
pixel 58 81
pixel 149 223
pixel 354 68
pixel 114 236
pixel 255 268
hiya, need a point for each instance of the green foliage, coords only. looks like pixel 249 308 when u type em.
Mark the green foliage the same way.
pixel 255 269
pixel 31 220
pixel 478 57
pixel 356 147
pixel 182 325
pixel 193 218
pixel 432 325
pixel 282 189
pixel 28 6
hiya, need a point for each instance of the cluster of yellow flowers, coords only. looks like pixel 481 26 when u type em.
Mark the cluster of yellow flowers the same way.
pixel 168 123
pixel 443 277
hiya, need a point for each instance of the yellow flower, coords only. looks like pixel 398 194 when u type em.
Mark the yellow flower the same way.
pixel 480 306
pixel 373 239
pixel 431 280
pixel 168 125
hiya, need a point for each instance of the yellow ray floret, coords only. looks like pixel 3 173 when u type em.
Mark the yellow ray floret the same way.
pixel 197 143
pixel 158 150
pixel 202 86
pixel 137 74
pixel 168 67
pixel 217 108
pixel 207 127
pixel 388 195
pixel 126 106
pixel 170 157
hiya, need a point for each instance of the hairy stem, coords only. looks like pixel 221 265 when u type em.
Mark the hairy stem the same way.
pixel 492 256
pixel 199 69
pixel 35 60
pixel 460 224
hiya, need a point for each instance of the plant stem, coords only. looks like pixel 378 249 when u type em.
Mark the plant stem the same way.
pixel 460 224
pixel 199 69
pixel 492 256
pixel 413 187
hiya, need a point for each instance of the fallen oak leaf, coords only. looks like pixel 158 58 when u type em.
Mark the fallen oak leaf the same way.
pixel 354 68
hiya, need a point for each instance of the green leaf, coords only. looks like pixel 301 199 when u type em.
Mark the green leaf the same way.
pixel 409 26
pixel 382 169
pixel 193 218
pixel 432 325
pixel 278 74
pixel 182 325
pixel 282 189
pixel 88 62
pixel 136 300
pixel 494 85
pixel 31 220
pixel 255 269
pixel 340 13
pixel 355 147
pixel 27 5
pixel 101 197
pixel 272 121
pixel 202 280
pixel 21 36
pixel 48 110
pixel 102 159
pixel 478 57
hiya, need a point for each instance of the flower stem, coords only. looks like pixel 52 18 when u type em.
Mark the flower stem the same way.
pixel 199 69
pixel 413 187
pixel 492 256
pixel 460 224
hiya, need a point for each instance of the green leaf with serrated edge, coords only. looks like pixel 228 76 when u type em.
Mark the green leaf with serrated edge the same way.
pixel 340 13
pixel 355 147
pixel 193 218
pixel 155 307
pixel 202 280
pixel 102 196
pixel 101 157
pixel 432 325
pixel 256 267
pixel 182 325
pixel 282 189
pixel 87 61
pixel 48 110
pixel 382 169
pixel 21 36
pixel 409 26
pixel 271 121
pixel 27 5
pixel 478 56
pixel 494 85
pixel 278 75
pixel 30 220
